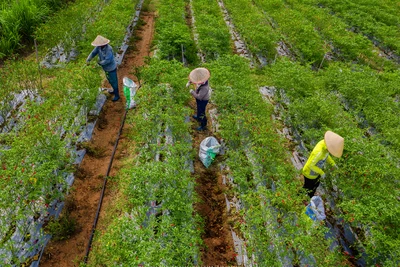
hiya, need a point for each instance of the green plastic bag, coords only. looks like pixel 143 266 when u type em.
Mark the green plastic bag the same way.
pixel 129 92
pixel 209 148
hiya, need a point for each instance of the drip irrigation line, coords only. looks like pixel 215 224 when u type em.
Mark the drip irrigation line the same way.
pixel 89 246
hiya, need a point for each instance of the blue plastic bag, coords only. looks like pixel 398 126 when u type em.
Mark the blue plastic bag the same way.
pixel 315 210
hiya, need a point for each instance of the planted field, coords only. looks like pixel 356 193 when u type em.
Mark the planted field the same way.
pixel 282 74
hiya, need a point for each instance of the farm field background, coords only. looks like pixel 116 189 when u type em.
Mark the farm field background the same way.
pixel 282 73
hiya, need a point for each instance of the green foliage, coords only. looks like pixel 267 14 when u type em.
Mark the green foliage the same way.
pixel 19 19
pixel 61 228
pixel 173 37
pixel 264 179
pixel 344 44
pixel 376 19
pixel 158 176
pixel 298 32
pixel 349 101
pixel 213 34
pixel 104 25
pixel 256 30
pixel 37 154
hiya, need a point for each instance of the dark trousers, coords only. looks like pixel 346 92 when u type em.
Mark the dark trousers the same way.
pixel 201 112
pixel 310 185
pixel 113 80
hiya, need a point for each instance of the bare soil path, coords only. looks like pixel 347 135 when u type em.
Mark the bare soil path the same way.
pixel 218 247
pixel 85 193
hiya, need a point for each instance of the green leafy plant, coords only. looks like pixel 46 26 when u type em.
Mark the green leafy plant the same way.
pixel 62 228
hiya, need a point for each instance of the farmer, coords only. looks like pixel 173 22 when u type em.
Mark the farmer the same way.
pixel 199 77
pixel 312 170
pixel 106 61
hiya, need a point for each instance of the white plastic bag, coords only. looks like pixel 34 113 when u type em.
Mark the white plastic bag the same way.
pixel 129 92
pixel 209 148
pixel 315 210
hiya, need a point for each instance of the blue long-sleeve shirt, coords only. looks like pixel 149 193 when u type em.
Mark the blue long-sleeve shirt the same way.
pixel 106 57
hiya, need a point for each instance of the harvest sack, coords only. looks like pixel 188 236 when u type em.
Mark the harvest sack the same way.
pixel 315 210
pixel 129 92
pixel 209 148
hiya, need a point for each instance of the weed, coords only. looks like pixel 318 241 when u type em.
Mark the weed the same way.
pixel 62 228
pixel 140 24
pixel 148 6
pixel 96 152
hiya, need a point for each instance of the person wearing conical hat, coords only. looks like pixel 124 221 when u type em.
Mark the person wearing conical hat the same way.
pixel 312 170
pixel 199 77
pixel 106 61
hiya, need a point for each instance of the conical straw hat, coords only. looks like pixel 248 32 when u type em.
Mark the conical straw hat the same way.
pixel 334 143
pixel 100 41
pixel 199 75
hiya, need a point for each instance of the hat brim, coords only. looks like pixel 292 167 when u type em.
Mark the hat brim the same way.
pixel 100 41
pixel 199 75
pixel 334 143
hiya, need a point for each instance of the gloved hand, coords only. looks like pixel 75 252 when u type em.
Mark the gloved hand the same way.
pixel 188 84
pixel 191 91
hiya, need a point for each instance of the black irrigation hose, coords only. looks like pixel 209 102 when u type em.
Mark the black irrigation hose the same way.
pixel 89 246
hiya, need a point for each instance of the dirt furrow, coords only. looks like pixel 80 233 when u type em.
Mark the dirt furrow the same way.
pixel 82 202
pixel 218 247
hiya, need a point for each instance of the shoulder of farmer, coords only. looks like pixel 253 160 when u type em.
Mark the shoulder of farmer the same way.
pixel 110 49
pixel 318 152
pixel 319 147
pixel 204 88
pixel 203 91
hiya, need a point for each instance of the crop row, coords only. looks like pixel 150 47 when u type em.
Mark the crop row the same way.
pixel 45 113
pixel 214 38
pixel 174 39
pixel 270 216
pixel 344 45
pixel 157 226
pixel 312 34
pixel 256 30
pixel 367 179
pixel 67 26
pixel 345 98
pixel 375 19
pixel 318 37
pixel 342 106
pixel 18 20
pixel 264 178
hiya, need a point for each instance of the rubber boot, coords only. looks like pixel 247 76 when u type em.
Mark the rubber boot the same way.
pixel 116 95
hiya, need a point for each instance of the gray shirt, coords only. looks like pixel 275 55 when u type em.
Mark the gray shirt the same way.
pixel 202 92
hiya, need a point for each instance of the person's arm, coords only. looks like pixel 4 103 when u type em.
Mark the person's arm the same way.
pixel 331 161
pixel 201 94
pixel 94 52
pixel 314 160
pixel 109 57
